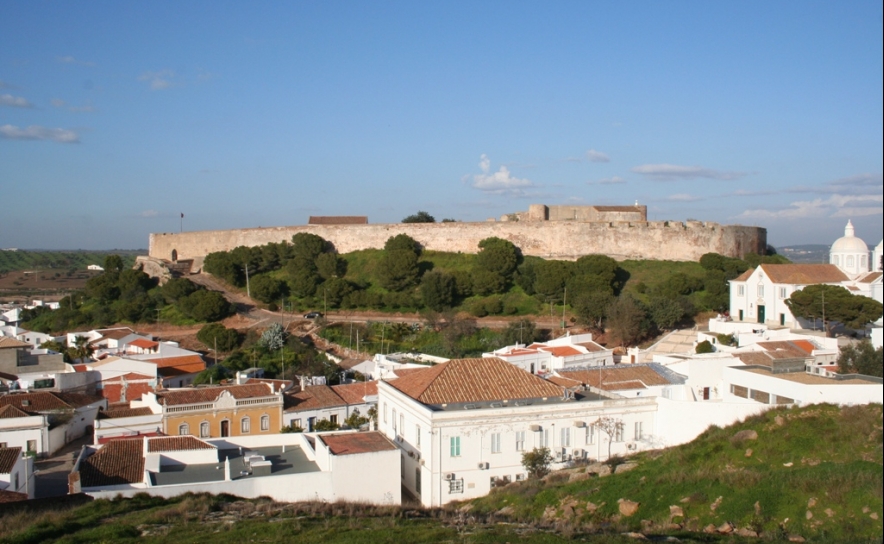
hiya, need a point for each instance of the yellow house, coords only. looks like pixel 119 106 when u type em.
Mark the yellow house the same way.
pixel 215 412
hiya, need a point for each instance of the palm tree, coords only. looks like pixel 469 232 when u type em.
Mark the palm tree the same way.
pixel 81 349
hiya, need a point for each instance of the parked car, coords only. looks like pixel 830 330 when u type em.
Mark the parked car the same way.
pixel 312 315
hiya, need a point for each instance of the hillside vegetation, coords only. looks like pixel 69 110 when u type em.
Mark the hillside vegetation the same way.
pixel 809 474
pixel 11 261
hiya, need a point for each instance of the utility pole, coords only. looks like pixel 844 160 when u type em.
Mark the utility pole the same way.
pixel 564 299
pixel 248 289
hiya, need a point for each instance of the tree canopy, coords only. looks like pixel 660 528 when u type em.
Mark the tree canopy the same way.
pixel 833 303
pixel 420 217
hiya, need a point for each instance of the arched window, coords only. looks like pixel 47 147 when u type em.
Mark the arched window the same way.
pixel 245 425
pixel 183 429
pixel 850 261
pixel 836 260
pixel 862 262
pixel 265 423
pixel 204 429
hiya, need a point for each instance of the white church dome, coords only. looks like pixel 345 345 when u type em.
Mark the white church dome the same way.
pixel 849 243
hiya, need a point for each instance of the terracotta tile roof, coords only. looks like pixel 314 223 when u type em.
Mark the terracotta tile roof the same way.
pixel 561 351
pixel 114 334
pixel 353 443
pixel 870 277
pixel 516 352
pixel 78 400
pixel 617 378
pixel 277 385
pixel 591 347
pixel 783 350
pixel 745 275
pixel 144 343
pixel 9 411
pixel 130 377
pixel 313 398
pixel 474 380
pixel 168 367
pixel 8 458
pixel 11 496
pixel 803 274
pixel 12 343
pixel 81 368
pixel 806 345
pixel 124 412
pixel 42 401
pixel 176 443
pixel 211 394
pixel 354 393
pixel 337 220
pixel 117 462
pixel 402 372
pixel 563 382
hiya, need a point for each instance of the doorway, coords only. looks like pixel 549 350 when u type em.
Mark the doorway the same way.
pixel 225 428
pixel 761 314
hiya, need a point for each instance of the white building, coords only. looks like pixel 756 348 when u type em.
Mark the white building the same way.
pixel 16 472
pixel 329 467
pixel 42 422
pixel 305 408
pixel 563 352
pixel 462 426
pixel 765 386
pixel 850 253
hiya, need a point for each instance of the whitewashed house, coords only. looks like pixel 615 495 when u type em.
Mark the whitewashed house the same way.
pixel 462 426
pixel 16 472
pixel 567 351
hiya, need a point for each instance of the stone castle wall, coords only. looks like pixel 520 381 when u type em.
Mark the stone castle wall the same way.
pixel 568 240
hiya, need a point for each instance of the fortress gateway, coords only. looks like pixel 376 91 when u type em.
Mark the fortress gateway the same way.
pixel 551 232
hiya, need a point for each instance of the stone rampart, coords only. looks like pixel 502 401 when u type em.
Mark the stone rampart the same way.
pixel 567 240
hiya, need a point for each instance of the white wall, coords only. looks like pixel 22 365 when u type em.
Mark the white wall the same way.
pixel 127 426
pixel 16 432
pixel 835 393
pixel 679 422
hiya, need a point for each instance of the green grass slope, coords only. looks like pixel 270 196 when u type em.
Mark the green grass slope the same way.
pixel 814 472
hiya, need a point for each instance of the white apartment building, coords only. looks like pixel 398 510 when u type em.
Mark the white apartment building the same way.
pixel 462 426
pixel 563 352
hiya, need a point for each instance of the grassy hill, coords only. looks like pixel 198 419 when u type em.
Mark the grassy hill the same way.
pixel 813 472
pixel 11 261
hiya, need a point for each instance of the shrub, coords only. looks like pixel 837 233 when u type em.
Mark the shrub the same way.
pixel 537 462
pixel 705 347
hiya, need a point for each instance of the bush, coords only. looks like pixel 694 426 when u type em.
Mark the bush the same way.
pixel 227 339
pixel 537 462
pixel 705 347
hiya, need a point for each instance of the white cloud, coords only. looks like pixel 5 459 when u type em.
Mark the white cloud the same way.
pixel 833 206
pixel 615 180
pixel 500 182
pixel 158 80
pixel 671 172
pixel 683 197
pixel 71 60
pixel 14 101
pixel 36 132
pixel 597 156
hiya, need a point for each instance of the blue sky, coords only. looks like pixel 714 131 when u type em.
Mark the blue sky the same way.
pixel 116 117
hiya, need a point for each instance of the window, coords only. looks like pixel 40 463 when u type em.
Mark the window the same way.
pixel 639 434
pixel 521 477
pixel 862 262
pixel 495 443
pixel 520 440
pixel 618 433
pixel 265 423
pixel 417 435
pixel 184 429
pixel 545 439
pixel 741 290
pixel 333 419
pixel 455 486
pixel 566 437
pixel 455 446
pixel 204 429
pixel 394 419
pixel 850 261
pixel 590 434
pixel 783 293
pixel 417 480
pixel 760 290
pixel 296 423
pixel 245 425
pixel 385 412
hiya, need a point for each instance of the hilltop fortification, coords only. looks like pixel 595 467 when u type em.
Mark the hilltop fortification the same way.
pixel 541 236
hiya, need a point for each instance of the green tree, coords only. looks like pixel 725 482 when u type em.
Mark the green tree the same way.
pixel 307 246
pixel 420 217
pixel 403 242
pixel 81 350
pixel 217 334
pixel 399 270
pixel 274 337
pixel 335 289
pixel 537 462
pixel 212 374
pixel 113 263
pixel 325 425
pixel 221 265
pixel 861 358
pixel 178 288
pixel 498 256
pixel 302 281
pixel 206 305
pixel 627 320
pixel 356 420
pixel 550 278
pixel 592 308
pixel 833 303
pixel 666 313
pixel 330 265
pixel 268 289
pixel 437 290
pixel 487 282
pixel 103 288
pixel 604 269
pixel 523 331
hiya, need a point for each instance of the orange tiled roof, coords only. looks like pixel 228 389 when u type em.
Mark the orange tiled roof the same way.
pixel 760 358
pixel 130 377
pixel 563 382
pixel 8 458
pixel 745 275
pixel 352 443
pixel 7 496
pixel 591 347
pixel 783 350
pixel 617 377
pixel 278 385
pixel 354 393
pixel 117 462
pixel 44 401
pixel 803 274
pixel 474 380
pixel 115 334
pixel 12 343
pixel 313 398
pixel 144 343
pixel 211 394
pixel 805 345
pixel 870 277
pixel 402 372
pixel 124 412
pixel 176 443
pixel 561 351
pixel 9 411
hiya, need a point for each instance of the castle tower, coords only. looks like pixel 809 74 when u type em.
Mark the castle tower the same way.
pixel 850 253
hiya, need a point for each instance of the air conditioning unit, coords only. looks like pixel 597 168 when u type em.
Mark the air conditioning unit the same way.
pixel 483 466
pixel 449 476
pixel 578 453
pixel 630 446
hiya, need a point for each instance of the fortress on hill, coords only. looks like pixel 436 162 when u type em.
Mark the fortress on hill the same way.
pixel 551 232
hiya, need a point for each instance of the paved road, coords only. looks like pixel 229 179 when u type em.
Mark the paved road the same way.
pixel 52 473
